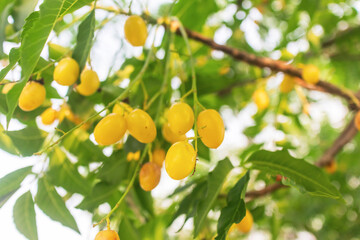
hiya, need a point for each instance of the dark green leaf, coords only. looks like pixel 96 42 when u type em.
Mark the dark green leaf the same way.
pixel 214 183
pixel 235 210
pixel 51 203
pixel 63 173
pixel 84 39
pixel 304 174
pixel 24 216
pixel 28 140
pixel 11 182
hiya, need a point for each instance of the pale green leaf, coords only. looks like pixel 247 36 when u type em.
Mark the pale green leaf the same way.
pixel 28 140
pixel 11 182
pixel 51 203
pixel 24 216
pixel 64 174
pixel 14 57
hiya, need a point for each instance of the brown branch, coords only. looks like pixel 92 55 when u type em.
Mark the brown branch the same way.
pixel 345 137
pixel 275 65
pixel 265 191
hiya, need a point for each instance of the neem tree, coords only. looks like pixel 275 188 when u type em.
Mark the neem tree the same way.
pixel 144 124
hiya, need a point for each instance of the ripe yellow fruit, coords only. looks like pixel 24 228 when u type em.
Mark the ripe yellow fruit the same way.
pixel 7 87
pixel 89 83
pixel 141 126
pixel 32 96
pixel 158 156
pixel 261 99
pixel 48 116
pixel 107 235
pixel 170 136
pixel 246 223
pixel 311 74
pixel 180 160
pixel 357 120
pixel 66 72
pixel 65 112
pixel 135 31
pixel 110 129
pixel 133 156
pixel 180 118
pixel 287 84
pixel 149 176
pixel 122 108
pixel 332 167
pixel 210 127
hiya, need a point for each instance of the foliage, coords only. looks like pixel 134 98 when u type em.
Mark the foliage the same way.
pixel 323 33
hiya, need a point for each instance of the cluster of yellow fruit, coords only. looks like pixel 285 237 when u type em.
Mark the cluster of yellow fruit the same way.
pixel 310 74
pixel 181 157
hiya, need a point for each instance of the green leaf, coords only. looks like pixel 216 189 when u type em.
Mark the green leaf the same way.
pixel 14 57
pixel 6 144
pixel 304 174
pixel 127 231
pixel 101 193
pixel 36 31
pixel 235 209
pixel 28 140
pixel 51 203
pixel 114 169
pixel 10 183
pixel 84 39
pixel 24 216
pixel 72 5
pixel 214 183
pixel 21 10
pixel 189 204
pixel 63 173
pixel 5 7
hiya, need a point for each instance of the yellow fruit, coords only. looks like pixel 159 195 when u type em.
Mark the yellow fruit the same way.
pixel 122 108
pixel 357 120
pixel 171 137
pixel 107 235
pixel 110 129
pixel 261 99
pixel 48 116
pixel 246 223
pixel 7 87
pixel 287 84
pixel 149 176
pixel 89 83
pixel 32 96
pixel 66 72
pixel 311 74
pixel 180 118
pixel 133 156
pixel 210 127
pixel 158 156
pixel 65 112
pixel 141 126
pixel 332 167
pixel 135 31
pixel 180 160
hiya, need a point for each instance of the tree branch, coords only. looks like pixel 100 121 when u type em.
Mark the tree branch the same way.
pixel 265 191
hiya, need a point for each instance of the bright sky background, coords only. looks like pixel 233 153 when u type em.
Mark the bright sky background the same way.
pixel 102 57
